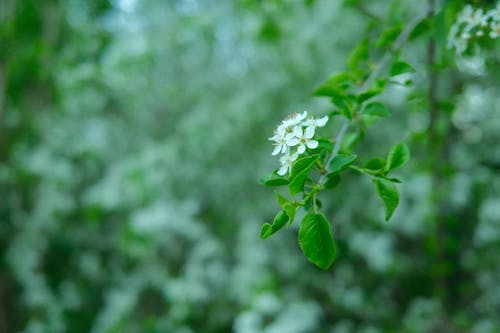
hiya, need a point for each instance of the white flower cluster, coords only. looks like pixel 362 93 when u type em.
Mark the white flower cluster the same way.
pixel 473 23
pixel 293 136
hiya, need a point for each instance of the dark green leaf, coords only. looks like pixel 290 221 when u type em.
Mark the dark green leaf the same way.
pixel 299 173
pixel 401 67
pixel 398 156
pixel 369 94
pixel 423 27
pixel 345 103
pixel 389 195
pixel 280 220
pixel 316 240
pixel 376 109
pixel 376 163
pixel 341 162
pixel 332 180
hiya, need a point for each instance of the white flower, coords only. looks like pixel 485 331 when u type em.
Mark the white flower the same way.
pixel 303 139
pixel 495 29
pixel 293 120
pixel 286 163
pixel 316 122
pixel 465 14
pixel 280 138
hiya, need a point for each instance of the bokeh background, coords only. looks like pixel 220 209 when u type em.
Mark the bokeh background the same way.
pixel 133 134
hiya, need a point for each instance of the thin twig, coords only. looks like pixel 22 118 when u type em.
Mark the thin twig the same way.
pixel 379 69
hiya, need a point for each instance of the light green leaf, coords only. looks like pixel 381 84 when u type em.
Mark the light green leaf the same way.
pixel 316 240
pixel 358 59
pixel 341 162
pixel 398 156
pixel 388 36
pixel 401 67
pixel 376 109
pixel 273 180
pixel 280 220
pixel 389 195
pixel 299 173
pixel 335 85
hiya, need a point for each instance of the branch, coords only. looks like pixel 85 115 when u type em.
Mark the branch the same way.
pixel 379 69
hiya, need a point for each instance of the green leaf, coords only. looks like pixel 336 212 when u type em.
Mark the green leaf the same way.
pixel 388 36
pixel 389 195
pixel 345 104
pixel 299 173
pixel 358 59
pixel 341 162
pixel 401 67
pixel 288 206
pixel 280 220
pixel 332 180
pixel 335 85
pixel 422 28
pixel 273 180
pixel 375 163
pixel 398 156
pixel 376 109
pixel 352 139
pixel 290 210
pixel 316 240
pixel 369 94
pixel 281 199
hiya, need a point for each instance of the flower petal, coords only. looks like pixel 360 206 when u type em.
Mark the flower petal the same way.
pixel 301 149
pixel 283 170
pixel 276 150
pixel 309 132
pixel 292 142
pixel 322 121
pixel 297 131
pixel 312 144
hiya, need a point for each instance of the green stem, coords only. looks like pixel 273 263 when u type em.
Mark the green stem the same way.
pixel 379 69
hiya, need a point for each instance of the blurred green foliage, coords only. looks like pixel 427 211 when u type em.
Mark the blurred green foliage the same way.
pixel 132 138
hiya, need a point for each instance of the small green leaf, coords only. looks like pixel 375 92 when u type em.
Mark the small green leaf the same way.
pixel 369 94
pixel 273 180
pixel 335 85
pixel 288 206
pixel 341 162
pixel 299 173
pixel 345 104
pixel 376 109
pixel 423 27
pixel 332 180
pixel 358 59
pixel 401 67
pixel 280 220
pixel 389 195
pixel 398 156
pixel 375 163
pixel 388 36
pixel 316 240
pixel 290 210
pixel 281 199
